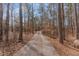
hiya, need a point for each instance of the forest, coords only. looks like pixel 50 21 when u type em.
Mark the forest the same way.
pixel 34 24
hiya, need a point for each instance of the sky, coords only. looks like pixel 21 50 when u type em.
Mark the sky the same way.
pixel 35 7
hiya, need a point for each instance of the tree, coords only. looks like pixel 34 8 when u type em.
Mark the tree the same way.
pixel 28 16
pixel 69 15
pixel 24 11
pixel 21 24
pixel 11 17
pixel 50 6
pixel 1 20
pixel 7 23
pixel 61 22
pixel 41 11
pixel 32 19
pixel 77 24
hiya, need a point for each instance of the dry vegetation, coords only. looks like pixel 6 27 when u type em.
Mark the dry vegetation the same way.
pixel 13 45
pixel 64 49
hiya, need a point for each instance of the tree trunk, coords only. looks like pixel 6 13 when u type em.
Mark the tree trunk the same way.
pixel 32 19
pixel 1 20
pixel 77 24
pixel 12 17
pixel 61 22
pixel 21 24
pixel 7 24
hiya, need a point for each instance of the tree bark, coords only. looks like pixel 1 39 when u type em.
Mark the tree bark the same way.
pixel 77 24
pixel 21 24
pixel 61 22
pixel 1 20
pixel 7 24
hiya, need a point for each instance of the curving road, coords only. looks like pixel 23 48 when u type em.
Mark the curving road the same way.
pixel 38 46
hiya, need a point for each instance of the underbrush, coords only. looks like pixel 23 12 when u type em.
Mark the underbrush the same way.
pixel 62 49
pixel 12 46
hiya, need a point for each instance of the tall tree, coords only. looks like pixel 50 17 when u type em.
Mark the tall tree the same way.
pixel 1 20
pixel 77 24
pixel 32 19
pixel 27 6
pixel 12 17
pixel 7 23
pixel 69 15
pixel 61 22
pixel 21 24
pixel 24 16
pixel 41 11
pixel 50 10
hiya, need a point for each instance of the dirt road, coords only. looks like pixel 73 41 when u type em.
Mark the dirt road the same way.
pixel 38 46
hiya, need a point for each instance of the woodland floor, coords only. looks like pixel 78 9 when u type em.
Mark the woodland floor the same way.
pixel 62 49
pixel 39 45
pixel 13 46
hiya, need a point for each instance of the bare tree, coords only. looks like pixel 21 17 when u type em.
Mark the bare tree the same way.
pixel 61 22
pixel 1 20
pixel 7 23
pixel 21 24
pixel 77 24
pixel 33 22
pixel 11 17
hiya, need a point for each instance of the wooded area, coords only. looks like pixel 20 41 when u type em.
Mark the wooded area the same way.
pixel 20 21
